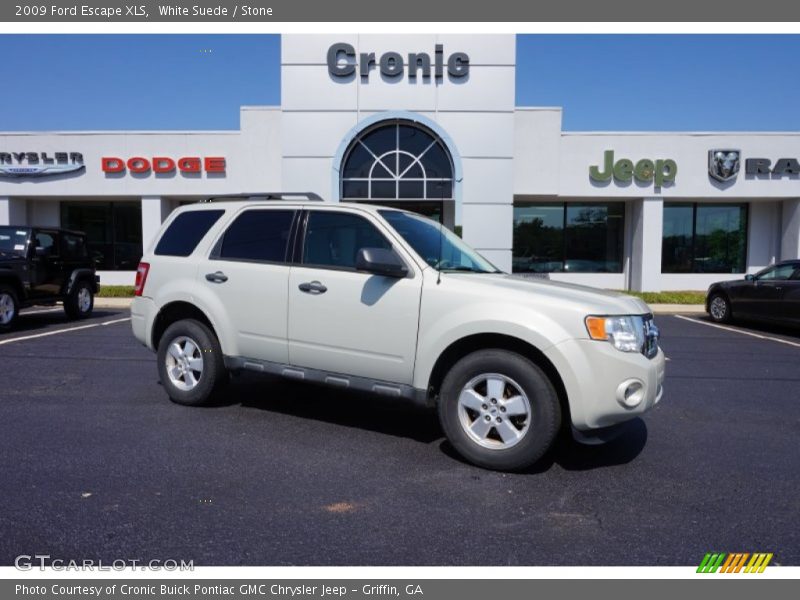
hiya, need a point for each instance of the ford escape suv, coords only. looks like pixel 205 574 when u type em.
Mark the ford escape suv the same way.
pixel 389 302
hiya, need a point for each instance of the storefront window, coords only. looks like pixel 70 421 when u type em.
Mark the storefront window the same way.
pixel 113 231
pixel 704 238
pixel 432 210
pixel 567 237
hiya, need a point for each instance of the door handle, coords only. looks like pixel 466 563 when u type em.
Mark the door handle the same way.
pixel 312 287
pixel 218 277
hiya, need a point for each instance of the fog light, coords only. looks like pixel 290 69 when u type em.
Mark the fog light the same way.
pixel 630 393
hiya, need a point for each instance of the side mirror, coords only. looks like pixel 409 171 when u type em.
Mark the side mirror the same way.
pixel 380 261
pixel 749 277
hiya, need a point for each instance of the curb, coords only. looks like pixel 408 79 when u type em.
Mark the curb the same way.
pixel 112 302
pixel 668 309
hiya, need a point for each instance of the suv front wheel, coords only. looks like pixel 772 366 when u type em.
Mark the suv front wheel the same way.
pixel 499 410
pixel 190 363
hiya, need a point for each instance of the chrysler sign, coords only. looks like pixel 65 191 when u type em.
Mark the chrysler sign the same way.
pixel 39 164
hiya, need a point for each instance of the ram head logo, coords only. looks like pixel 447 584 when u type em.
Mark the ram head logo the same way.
pixel 723 165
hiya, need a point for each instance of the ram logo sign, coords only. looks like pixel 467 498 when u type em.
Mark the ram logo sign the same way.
pixel 723 165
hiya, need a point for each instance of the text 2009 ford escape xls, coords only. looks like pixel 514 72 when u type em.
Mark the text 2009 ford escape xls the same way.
pixel 386 301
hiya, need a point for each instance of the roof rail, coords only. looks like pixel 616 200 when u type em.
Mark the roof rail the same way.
pixel 260 196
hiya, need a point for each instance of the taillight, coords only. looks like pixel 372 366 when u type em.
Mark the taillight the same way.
pixel 141 278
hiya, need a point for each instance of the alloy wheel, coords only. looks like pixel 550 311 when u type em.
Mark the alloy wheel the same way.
pixel 7 308
pixel 84 299
pixel 184 361
pixel 718 308
pixel 494 411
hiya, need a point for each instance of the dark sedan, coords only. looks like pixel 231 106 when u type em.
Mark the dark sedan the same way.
pixel 770 295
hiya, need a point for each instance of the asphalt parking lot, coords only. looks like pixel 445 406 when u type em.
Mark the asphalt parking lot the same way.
pixel 98 464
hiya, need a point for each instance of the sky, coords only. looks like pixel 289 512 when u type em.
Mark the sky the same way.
pixel 603 82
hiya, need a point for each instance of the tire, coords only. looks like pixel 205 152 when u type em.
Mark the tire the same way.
pixel 80 301
pixel 719 308
pixel 499 442
pixel 190 363
pixel 9 308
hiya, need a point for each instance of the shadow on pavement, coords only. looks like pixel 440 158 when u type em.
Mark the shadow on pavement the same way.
pixel 349 409
pixel 573 456
pixel 403 419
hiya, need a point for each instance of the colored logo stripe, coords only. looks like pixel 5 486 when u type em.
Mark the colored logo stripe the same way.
pixel 734 562
pixel 758 563
pixel 711 562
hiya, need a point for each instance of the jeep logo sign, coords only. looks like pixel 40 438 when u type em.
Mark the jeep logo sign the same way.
pixel 343 62
pixel 660 172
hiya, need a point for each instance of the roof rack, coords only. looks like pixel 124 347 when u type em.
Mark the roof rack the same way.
pixel 261 196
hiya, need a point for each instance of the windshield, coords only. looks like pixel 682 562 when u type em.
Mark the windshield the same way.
pixel 438 246
pixel 14 240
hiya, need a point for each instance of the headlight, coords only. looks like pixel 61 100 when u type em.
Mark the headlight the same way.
pixel 625 332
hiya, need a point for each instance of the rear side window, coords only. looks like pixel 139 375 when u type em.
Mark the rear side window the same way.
pixel 258 235
pixel 186 231
pixel 73 246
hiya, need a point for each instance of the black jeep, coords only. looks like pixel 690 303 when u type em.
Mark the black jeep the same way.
pixel 44 265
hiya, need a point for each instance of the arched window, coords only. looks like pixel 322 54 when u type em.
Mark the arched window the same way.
pixel 397 160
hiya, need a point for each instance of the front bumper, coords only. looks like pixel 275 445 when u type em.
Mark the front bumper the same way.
pixel 595 372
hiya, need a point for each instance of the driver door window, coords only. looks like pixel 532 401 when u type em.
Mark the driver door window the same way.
pixel 45 245
pixel 334 239
pixel 780 273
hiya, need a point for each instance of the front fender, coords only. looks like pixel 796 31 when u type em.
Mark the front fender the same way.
pixel 490 317
pixel 79 274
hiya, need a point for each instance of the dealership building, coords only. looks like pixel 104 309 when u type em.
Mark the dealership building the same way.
pixel 429 123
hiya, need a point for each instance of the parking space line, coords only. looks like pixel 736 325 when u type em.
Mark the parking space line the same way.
pixel 743 332
pixel 67 330
pixel 115 321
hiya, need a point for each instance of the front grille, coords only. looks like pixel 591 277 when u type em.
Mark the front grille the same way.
pixel 651 336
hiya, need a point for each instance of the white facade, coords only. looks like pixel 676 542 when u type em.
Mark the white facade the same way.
pixel 501 155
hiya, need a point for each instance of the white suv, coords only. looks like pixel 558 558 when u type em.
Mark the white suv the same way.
pixel 386 301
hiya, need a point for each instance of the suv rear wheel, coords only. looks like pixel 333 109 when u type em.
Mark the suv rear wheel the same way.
pixel 9 307
pixel 190 363
pixel 499 410
pixel 80 301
